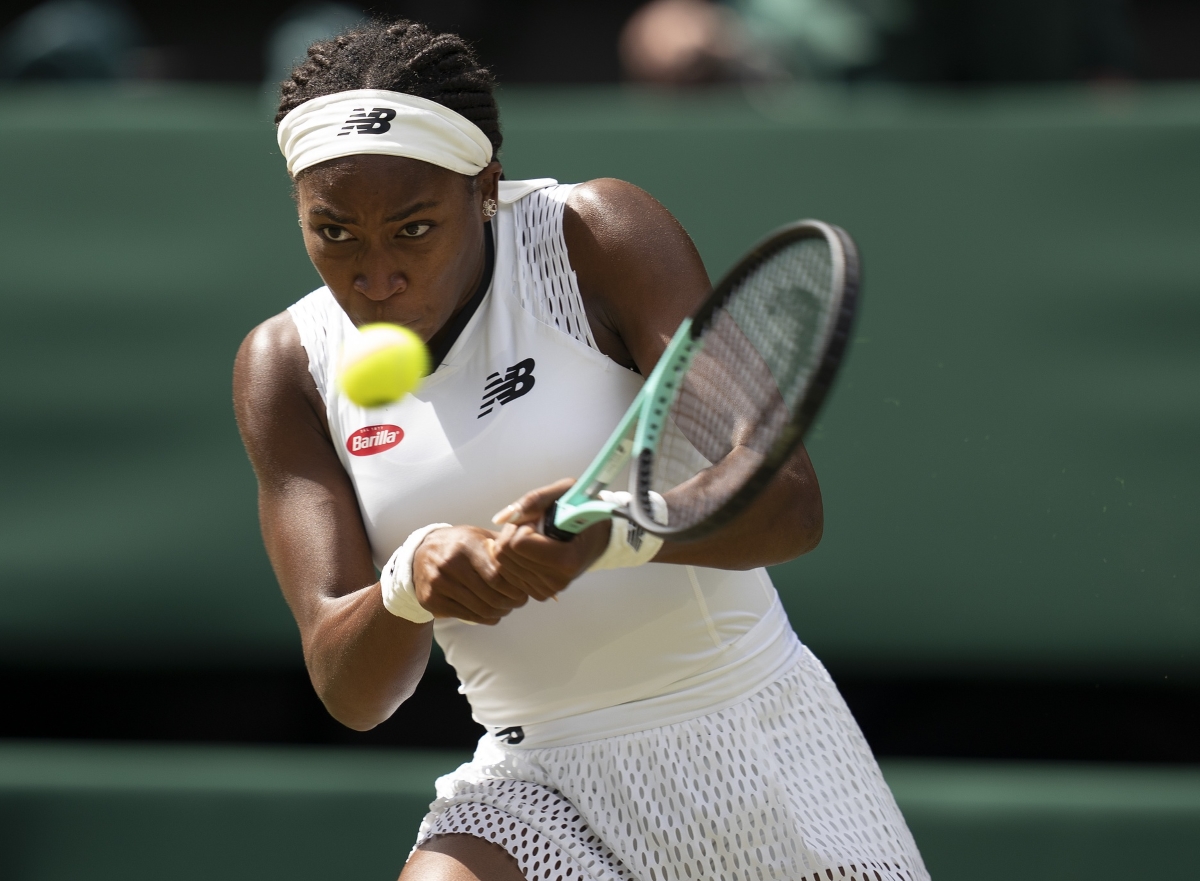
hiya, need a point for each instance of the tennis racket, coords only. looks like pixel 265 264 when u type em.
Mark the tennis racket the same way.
pixel 733 393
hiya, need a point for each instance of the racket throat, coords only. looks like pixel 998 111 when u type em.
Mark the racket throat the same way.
pixel 568 523
pixel 612 467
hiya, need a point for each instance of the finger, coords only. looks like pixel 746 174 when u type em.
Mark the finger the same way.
pixel 541 566
pixel 530 545
pixel 495 578
pixel 503 539
pixel 529 580
pixel 470 607
pixel 465 586
pixel 532 506
pixel 446 607
pixel 558 563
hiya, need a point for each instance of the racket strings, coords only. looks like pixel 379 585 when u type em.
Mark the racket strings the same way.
pixel 738 398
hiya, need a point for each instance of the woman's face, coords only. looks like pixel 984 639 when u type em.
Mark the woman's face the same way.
pixel 396 239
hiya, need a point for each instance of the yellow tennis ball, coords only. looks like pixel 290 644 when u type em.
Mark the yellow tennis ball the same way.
pixel 382 363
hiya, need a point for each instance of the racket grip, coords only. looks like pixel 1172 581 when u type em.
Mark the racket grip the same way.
pixel 548 527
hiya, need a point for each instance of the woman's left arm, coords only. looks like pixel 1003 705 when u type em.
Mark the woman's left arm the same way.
pixel 640 276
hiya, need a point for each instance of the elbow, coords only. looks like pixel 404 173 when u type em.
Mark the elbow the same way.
pixel 359 700
pixel 796 540
pixel 355 722
pixel 807 525
pixel 361 712
pixel 809 537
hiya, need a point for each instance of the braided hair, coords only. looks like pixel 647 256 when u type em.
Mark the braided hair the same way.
pixel 400 56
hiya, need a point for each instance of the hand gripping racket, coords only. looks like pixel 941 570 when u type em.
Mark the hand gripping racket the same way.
pixel 733 393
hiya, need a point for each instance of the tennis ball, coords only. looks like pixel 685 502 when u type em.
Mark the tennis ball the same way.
pixel 381 364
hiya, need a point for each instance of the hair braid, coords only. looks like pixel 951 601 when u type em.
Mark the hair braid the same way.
pixel 400 56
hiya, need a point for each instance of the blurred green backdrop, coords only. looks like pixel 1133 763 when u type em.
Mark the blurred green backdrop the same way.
pixel 1009 459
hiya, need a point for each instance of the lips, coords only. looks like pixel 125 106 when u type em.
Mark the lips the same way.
pixel 413 324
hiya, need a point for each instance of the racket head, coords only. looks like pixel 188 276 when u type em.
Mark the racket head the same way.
pixel 772 336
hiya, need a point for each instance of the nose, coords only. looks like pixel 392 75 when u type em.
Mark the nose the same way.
pixel 378 286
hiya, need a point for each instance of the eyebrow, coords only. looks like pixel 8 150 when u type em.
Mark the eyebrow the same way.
pixel 326 211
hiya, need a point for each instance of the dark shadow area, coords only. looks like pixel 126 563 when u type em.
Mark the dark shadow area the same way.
pixel 275 706
pixel 1101 722
pixel 524 41
pixel 1064 721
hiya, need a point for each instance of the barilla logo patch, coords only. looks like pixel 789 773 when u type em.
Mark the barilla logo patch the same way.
pixel 374 439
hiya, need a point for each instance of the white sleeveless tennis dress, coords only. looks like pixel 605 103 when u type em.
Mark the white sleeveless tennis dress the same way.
pixel 660 722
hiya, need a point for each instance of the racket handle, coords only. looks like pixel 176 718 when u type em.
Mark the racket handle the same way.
pixel 548 527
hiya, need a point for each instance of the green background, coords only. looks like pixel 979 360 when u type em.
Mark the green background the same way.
pixel 1008 460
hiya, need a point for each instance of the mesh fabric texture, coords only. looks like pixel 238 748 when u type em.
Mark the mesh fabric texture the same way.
pixel 780 786
pixel 547 285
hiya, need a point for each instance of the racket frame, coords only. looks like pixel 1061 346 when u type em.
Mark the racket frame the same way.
pixel 845 285
pixel 637 435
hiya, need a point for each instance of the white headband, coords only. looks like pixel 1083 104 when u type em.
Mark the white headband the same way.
pixel 379 121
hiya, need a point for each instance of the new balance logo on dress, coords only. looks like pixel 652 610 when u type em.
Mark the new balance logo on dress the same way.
pixel 516 381
pixel 374 123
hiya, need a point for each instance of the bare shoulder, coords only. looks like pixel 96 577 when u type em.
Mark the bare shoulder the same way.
pixel 273 392
pixel 269 362
pixel 639 272
pixel 615 214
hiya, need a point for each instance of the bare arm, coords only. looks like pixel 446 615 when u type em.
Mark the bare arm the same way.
pixel 363 660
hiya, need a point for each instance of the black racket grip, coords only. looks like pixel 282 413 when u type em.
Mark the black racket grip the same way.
pixel 548 527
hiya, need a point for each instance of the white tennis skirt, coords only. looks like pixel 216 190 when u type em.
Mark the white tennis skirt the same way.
pixel 779 786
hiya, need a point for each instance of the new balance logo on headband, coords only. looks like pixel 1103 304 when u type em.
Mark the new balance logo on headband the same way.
pixel 374 123
pixel 516 381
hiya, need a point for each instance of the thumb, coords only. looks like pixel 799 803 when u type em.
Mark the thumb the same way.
pixel 532 506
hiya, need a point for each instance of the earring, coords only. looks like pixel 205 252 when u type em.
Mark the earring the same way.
pixel 489 208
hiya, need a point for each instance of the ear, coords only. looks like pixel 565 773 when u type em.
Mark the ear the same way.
pixel 487 182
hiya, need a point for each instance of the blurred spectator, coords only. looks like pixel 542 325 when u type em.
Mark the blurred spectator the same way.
pixel 822 39
pixel 685 43
pixel 300 27
pixel 71 40
pixel 691 42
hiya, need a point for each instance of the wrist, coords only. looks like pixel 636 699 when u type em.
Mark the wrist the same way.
pixel 628 544
pixel 396 581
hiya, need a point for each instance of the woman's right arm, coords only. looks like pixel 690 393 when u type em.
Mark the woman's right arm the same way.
pixel 363 661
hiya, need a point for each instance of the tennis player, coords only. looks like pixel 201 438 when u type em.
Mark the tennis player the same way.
pixel 659 720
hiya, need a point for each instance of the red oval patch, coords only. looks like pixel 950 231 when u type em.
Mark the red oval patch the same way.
pixel 374 439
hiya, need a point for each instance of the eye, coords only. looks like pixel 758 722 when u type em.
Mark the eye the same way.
pixel 336 233
pixel 415 230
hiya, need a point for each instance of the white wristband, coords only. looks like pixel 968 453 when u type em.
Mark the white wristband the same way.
pixel 629 544
pixel 396 580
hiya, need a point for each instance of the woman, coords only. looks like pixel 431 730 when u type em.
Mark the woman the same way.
pixel 659 720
